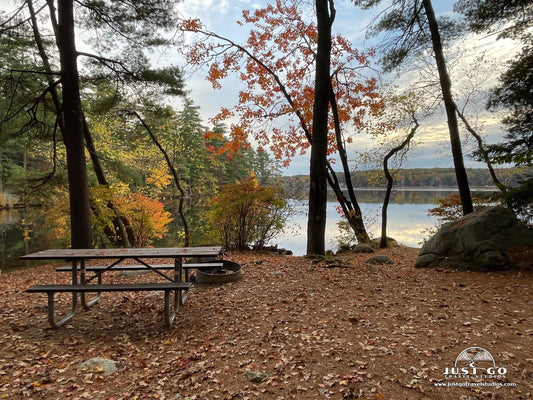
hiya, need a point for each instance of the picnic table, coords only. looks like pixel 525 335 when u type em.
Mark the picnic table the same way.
pixel 176 282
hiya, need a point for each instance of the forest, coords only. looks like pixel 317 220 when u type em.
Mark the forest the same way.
pixel 297 186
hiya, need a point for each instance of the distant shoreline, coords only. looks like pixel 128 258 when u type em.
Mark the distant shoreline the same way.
pixel 427 188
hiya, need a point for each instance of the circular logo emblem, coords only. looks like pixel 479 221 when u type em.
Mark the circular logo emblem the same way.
pixel 475 357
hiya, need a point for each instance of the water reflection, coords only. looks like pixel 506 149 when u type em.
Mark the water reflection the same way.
pixel 22 232
pixel 407 223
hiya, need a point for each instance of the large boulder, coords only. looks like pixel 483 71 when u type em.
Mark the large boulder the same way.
pixel 487 240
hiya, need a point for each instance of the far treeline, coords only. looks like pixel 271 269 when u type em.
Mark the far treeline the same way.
pixel 297 186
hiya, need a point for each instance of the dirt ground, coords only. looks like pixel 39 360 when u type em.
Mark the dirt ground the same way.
pixel 300 328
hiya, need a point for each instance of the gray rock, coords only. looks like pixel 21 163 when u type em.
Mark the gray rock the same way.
pixel 488 240
pixel 379 260
pixel 108 367
pixel 255 377
pixel 363 248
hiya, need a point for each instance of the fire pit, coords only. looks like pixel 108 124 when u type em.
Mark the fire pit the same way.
pixel 229 272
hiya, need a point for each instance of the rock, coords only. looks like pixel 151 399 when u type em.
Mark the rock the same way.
pixel 363 248
pixel 256 377
pixel 99 364
pixel 487 240
pixel 285 252
pixel 379 260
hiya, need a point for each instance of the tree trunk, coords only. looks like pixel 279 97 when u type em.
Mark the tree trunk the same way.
pixel 350 207
pixel 390 182
pixel 316 225
pixel 81 235
pixel 122 226
pixel 449 104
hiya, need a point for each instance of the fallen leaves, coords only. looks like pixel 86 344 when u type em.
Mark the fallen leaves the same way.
pixel 380 332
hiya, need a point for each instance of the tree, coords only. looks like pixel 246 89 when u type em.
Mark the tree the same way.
pixel 71 120
pixel 418 29
pixel 510 19
pixel 122 22
pixel 246 213
pixel 278 69
pixel 316 226
pixel 402 147
pixel 175 176
pixel 507 18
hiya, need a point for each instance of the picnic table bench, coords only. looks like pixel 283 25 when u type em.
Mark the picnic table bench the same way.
pixel 78 257
pixel 167 287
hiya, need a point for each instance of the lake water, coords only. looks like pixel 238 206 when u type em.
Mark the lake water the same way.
pixel 407 223
pixel 407 216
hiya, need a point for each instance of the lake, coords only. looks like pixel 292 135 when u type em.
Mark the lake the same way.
pixel 408 224
pixel 408 220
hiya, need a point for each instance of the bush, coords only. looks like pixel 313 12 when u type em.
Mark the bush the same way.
pixel 518 199
pixel 247 214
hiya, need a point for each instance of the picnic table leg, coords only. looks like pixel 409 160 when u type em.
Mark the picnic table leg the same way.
pixel 178 277
pixel 170 315
pixel 51 310
pixel 87 304
pixel 51 302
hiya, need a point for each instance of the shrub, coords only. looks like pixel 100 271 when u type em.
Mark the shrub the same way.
pixel 247 214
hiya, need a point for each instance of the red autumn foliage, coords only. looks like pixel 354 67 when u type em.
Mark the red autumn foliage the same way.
pixel 276 65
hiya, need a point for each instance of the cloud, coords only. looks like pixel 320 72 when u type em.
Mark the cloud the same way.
pixel 194 8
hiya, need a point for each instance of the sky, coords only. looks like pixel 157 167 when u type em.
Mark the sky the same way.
pixel 432 148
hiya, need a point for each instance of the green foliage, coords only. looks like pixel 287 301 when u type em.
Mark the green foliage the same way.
pixel 495 15
pixel 246 213
pixel 26 124
pixel 169 79
pixel 515 93
pixel 519 199
pixel 515 90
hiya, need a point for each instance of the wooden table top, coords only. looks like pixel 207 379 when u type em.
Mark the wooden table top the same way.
pixel 148 252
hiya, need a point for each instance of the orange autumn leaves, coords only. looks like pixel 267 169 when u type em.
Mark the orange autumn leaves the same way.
pixel 147 217
pixel 276 66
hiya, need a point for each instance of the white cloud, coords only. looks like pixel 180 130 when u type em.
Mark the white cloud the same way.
pixel 193 8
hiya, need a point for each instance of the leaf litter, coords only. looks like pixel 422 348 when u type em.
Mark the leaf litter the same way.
pixel 292 328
